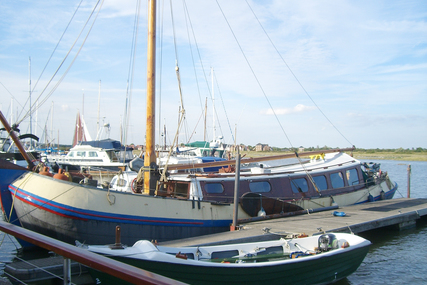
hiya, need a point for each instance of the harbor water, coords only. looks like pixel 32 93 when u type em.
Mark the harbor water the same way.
pixel 394 257
pixel 397 257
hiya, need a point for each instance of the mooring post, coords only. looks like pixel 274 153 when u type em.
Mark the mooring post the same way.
pixel 409 181
pixel 233 227
pixel 67 271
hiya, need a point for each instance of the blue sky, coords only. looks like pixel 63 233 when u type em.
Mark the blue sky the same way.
pixel 362 63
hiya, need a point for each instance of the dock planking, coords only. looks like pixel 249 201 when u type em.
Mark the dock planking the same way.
pixel 401 213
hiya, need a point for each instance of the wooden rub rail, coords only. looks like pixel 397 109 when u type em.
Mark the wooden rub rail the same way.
pixel 254 159
pixel 115 268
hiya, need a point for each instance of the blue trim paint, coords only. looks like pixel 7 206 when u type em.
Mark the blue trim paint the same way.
pixel 388 195
pixel 82 214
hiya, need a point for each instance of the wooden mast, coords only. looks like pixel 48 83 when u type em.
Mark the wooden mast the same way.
pixel 150 154
pixel 16 140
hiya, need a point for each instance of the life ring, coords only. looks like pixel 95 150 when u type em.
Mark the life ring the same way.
pixel 133 186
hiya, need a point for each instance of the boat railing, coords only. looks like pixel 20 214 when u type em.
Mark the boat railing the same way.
pixel 69 252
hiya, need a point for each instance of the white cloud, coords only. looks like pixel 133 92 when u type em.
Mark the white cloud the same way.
pixel 285 111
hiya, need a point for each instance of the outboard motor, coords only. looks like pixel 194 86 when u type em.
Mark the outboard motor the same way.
pixel 327 242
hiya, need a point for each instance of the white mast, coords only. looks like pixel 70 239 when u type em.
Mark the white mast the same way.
pixel 11 111
pixel 51 124
pixel 29 91
pixel 99 102
pixel 213 105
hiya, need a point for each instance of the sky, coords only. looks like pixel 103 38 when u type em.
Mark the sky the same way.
pixel 282 73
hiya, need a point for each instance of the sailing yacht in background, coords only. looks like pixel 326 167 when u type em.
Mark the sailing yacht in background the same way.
pixel 92 155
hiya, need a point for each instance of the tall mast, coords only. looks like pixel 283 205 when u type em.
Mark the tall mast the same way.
pixel 206 112
pixel 213 105
pixel 29 91
pixel 99 102
pixel 51 125
pixel 150 155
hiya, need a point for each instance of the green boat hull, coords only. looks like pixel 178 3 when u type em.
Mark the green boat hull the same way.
pixel 323 270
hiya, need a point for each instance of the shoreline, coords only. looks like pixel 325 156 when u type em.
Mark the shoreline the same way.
pixel 381 155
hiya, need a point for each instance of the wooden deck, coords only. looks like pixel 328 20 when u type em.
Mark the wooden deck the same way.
pixel 400 213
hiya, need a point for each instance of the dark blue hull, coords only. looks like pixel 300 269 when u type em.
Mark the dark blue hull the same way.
pixel 8 173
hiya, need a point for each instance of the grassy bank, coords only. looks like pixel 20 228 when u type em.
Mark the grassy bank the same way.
pixel 365 155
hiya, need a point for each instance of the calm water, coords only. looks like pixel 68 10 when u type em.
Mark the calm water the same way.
pixel 394 257
pixel 397 257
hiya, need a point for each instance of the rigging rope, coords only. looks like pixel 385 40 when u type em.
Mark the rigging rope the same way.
pixel 51 55
pixel 265 96
pixel 293 74
pixel 131 70
pixel 72 62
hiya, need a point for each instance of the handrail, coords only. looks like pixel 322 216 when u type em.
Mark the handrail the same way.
pixel 113 267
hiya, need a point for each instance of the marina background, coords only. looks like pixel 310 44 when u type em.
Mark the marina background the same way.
pixel 394 257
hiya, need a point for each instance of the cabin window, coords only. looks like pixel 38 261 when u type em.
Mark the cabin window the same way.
pixel 93 154
pixel 337 180
pixel 213 188
pixel 260 187
pixel 71 154
pixel 299 185
pixel 320 182
pixel 352 177
pixel 112 155
pixel 81 153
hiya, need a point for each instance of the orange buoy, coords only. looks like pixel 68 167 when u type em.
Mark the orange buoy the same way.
pixel 61 175
pixel 46 172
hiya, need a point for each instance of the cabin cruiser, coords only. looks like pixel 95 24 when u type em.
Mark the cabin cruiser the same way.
pixel 99 154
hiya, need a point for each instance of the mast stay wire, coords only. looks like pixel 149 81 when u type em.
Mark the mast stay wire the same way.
pixel 225 111
pixel 187 18
pixel 161 21
pixel 268 101
pixel 190 27
pixel 47 63
pixel 131 72
pixel 293 74
pixel 71 64
pixel 253 72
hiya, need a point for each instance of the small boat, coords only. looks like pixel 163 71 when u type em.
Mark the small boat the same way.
pixel 320 259
pixel 105 154
pixel 87 154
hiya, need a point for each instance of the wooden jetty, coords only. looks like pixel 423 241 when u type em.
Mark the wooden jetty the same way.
pixel 399 213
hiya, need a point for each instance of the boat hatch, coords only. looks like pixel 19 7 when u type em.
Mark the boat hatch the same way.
pixel 174 189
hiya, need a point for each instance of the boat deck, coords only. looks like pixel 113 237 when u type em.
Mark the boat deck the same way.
pixel 401 213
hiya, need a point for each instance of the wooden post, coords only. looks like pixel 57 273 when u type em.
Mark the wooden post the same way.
pixel 150 154
pixel 409 181
pixel 233 227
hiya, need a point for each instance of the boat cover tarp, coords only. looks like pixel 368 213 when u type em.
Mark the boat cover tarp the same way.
pixel 198 144
pixel 105 144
